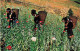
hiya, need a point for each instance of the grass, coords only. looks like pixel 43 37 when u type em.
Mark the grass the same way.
pixel 20 38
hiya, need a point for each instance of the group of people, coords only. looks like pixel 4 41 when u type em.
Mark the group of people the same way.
pixel 69 21
pixel 39 20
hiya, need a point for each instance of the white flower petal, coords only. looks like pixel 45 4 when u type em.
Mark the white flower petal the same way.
pixel 33 38
pixel 53 38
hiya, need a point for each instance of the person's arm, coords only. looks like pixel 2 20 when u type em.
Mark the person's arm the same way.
pixel 65 27
pixel 7 16
pixel 34 19
pixel 38 17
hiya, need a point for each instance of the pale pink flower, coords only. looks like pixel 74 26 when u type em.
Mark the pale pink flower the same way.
pixel 33 38
pixel 53 38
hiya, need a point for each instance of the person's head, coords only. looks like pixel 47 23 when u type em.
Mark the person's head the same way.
pixel 65 19
pixel 33 12
pixel 8 10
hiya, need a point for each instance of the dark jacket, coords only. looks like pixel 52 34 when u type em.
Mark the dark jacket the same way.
pixel 8 16
pixel 13 16
pixel 70 25
pixel 37 19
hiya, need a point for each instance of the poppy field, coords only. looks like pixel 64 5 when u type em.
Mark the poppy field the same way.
pixel 21 36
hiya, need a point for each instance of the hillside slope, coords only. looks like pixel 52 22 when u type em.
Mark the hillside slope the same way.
pixel 53 6
pixel 61 6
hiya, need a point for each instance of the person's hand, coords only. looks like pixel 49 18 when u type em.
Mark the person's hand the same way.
pixel 8 20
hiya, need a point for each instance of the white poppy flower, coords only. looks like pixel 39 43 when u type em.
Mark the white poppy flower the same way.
pixel 33 38
pixel 53 38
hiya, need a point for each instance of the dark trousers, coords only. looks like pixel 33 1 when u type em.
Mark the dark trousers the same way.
pixel 70 33
pixel 14 22
pixel 11 21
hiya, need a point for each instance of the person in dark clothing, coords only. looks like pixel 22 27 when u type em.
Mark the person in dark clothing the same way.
pixel 8 13
pixel 68 27
pixel 69 30
pixel 36 18
pixel 11 16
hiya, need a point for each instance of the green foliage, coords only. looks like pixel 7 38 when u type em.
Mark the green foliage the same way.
pixel 70 12
pixel 76 3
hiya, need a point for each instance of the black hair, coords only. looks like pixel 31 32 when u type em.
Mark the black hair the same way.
pixel 8 9
pixel 65 19
pixel 33 11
